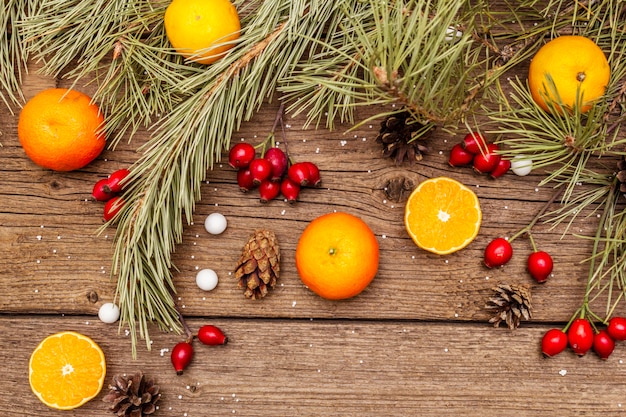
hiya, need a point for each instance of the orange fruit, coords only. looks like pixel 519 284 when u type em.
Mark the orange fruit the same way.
pixel 66 370
pixel 199 29
pixel 442 215
pixel 577 66
pixel 61 129
pixel 337 256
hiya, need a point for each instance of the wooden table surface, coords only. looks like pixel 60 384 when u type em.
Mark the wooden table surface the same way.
pixel 416 342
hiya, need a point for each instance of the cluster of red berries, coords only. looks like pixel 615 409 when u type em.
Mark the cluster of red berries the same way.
pixel 499 251
pixel 182 354
pixel 474 150
pixel 271 173
pixel 581 337
pixel 108 190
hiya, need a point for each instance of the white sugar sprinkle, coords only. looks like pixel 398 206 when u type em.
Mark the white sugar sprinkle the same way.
pixel 563 372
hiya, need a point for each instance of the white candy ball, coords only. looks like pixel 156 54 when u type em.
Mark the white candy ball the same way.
pixel 206 279
pixel 521 165
pixel 215 223
pixel 109 313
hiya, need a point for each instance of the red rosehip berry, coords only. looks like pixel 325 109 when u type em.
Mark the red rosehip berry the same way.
pixel 279 162
pixel 460 157
pixel 260 169
pixel 315 178
pixel 502 168
pixel 474 143
pixel 540 265
pixel 181 356
pixel 244 180
pixel 554 341
pixel 603 344
pixel 212 335
pixel 268 190
pixel 116 179
pixel 487 161
pixel 498 252
pixel 580 336
pixel 112 207
pixel 299 173
pixel 102 191
pixel 617 328
pixel 290 190
pixel 240 155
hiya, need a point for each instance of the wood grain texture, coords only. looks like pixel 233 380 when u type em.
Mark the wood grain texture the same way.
pixel 278 367
pixel 415 342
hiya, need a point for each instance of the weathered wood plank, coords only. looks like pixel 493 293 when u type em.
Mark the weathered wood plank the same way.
pixel 337 368
pixel 49 221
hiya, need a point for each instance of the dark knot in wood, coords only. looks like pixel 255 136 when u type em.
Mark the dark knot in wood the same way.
pixel 398 189
pixel 92 296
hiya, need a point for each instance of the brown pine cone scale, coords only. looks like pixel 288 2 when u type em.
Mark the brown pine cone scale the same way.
pixel 259 265
pixel 133 396
pixel 510 304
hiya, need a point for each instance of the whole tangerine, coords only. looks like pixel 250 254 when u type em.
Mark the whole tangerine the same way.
pixel 576 66
pixel 337 256
pixel 202 30
pixel 61 129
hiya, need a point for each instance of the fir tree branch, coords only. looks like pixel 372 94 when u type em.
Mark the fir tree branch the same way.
pixel 166 180
pixel 424 68
pixel 12 55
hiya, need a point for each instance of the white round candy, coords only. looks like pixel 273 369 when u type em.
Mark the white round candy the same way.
pixel 109 313
pixel 215 223
pixel 206 279
pixel 521 165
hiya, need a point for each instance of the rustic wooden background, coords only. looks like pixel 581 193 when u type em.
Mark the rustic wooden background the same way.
pixel 415 342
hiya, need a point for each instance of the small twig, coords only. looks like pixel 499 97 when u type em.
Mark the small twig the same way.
pixel 182 321
pixel 539 214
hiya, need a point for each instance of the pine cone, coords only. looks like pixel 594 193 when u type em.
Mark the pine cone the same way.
pixel 133 396
pixel 259 265
pixel 621 175
pixel 511 303
pixel 397 137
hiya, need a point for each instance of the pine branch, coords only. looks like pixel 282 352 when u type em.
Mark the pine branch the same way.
pixel 166 180
pixel 12 55
pixel 427 67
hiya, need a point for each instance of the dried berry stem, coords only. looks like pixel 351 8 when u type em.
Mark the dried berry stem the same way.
pixel 183 322
pixel 539 214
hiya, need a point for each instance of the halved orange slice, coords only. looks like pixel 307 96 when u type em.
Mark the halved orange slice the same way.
pixel 66 370
pixel 442 215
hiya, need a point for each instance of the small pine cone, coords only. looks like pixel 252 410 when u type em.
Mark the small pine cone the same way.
pixel 133 396
pixel 511 303
pixel 621 175
pixel 397 137
pixel 259 265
